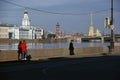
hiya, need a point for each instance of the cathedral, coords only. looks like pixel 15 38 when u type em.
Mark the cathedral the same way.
pixel 91 30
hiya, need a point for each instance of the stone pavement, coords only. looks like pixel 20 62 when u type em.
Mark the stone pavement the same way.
pixel 84 68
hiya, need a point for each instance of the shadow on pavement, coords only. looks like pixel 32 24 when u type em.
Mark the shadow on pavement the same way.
pixel 62 68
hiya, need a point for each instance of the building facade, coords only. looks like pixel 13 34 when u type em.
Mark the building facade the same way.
pixel 26 31
pixel 4 31
pixel 14 33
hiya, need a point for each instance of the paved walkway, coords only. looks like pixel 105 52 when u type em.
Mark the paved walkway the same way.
pixel 87 68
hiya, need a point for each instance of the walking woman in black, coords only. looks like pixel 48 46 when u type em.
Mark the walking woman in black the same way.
pixel 71 48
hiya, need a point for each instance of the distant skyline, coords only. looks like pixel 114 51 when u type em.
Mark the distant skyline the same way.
pixel 72 15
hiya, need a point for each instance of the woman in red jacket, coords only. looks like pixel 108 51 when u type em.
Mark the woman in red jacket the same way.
pixel 24 50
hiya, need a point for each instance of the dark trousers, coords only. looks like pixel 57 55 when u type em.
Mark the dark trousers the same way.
pixel 72 52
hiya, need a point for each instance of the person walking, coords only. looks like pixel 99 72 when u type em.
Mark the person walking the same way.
pixel 24 50
pixel 19 50
pixel 71 48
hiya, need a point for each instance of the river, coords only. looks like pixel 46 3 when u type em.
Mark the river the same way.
pixel 53 45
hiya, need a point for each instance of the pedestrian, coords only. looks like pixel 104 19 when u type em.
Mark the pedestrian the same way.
pixel 19 50
pixel 24 50
pixel 71 48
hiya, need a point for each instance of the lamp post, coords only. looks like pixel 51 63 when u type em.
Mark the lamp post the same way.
pixel 112 29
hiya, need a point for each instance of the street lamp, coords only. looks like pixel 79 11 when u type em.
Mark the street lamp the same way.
pixel 112 29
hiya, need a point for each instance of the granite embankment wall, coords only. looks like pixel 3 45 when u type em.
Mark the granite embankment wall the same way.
pixel 9 55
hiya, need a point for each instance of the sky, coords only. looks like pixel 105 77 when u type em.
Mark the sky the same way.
pixel 72 15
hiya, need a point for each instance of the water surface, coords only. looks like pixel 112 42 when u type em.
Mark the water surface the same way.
pixel 53 45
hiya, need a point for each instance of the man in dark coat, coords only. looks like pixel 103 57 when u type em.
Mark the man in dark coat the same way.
pixel 71 48
pixel 19 50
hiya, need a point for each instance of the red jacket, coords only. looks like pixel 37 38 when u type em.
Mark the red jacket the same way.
pixel 24 47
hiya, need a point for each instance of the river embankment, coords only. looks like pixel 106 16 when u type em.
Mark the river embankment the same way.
pixel 37 54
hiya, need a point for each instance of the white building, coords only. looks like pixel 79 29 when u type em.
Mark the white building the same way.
pixel 39 32
pixel 27 31
pixel 98 33
pixel 4 31
pixel 14 33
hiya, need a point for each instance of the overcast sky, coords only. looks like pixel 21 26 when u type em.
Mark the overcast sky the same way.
pixel 72 15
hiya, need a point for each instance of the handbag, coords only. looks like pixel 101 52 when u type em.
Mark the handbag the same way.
pixel 28 56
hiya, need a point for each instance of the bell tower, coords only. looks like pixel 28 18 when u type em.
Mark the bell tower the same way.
pixel 91 28
pixel 25 20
